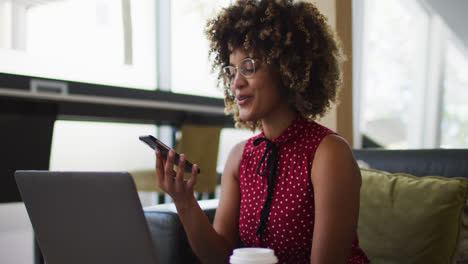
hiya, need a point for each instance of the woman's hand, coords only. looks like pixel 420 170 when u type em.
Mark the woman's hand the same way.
pixel 173 182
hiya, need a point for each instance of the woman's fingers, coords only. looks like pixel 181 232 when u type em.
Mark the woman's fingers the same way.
pixel 159 167
pixel 193 179
pixel 171 181
pixel 179 179
pixel 169 167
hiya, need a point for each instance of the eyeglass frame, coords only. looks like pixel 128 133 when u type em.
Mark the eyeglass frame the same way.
pixel 237 70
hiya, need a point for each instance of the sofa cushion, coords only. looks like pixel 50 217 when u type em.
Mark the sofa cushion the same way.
pixel 408 219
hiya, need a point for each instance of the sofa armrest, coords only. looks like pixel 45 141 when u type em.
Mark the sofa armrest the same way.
pixel 168 235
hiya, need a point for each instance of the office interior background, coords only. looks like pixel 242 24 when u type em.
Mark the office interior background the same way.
pixel 94 75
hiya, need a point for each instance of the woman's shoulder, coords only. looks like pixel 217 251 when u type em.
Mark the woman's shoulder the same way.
pixel 234 159
pixel 333 143
pixel 238 149
pixel 333 150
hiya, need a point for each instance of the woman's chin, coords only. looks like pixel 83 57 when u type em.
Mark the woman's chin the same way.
pixel 246 117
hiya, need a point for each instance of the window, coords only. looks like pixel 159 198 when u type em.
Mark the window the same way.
pixel 100 146
pixel 454 126
pixel 410 73
pixel 98 41
pixel 191 69
pixel 393 68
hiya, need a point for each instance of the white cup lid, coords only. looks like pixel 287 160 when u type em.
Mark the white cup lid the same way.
pixel 253 256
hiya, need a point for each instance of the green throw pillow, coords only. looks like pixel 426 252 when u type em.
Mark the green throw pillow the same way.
pixel 407 219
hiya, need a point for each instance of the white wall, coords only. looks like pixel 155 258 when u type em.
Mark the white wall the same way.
pixel 16 235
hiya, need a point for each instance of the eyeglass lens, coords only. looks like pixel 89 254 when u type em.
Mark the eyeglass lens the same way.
pixel 247 69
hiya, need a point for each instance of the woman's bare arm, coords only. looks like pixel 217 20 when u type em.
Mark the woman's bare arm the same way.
pixel 337 181
pixel 226 221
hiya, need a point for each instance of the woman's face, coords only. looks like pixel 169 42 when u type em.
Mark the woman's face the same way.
pixel 258 96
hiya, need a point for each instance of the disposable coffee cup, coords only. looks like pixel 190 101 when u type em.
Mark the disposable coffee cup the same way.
pixel 253 256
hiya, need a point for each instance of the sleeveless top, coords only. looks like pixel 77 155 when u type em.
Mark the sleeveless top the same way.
pixel 290 223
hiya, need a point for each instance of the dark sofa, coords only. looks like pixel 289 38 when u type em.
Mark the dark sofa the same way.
pixel 170 240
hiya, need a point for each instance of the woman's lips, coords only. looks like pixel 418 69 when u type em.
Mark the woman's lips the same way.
pixel 242 100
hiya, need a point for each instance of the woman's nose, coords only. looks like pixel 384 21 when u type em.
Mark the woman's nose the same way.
pixel 239 80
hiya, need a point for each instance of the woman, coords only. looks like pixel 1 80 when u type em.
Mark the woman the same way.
pixel 295 186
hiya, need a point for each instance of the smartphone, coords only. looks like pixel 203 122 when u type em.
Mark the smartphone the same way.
pixel 154 143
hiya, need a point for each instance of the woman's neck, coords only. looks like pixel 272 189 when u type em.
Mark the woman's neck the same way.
pixel 276 123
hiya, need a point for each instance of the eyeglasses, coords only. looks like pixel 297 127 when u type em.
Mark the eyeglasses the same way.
pixel 247 69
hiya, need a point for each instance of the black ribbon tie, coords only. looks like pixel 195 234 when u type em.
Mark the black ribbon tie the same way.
pixel 272 163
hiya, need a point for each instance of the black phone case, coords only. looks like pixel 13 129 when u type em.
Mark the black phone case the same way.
pixel 154 143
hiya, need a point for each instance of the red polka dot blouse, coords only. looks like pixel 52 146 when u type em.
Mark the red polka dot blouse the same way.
pixel 290 223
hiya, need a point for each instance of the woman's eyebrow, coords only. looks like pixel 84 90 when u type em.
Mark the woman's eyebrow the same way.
pixel 246 57
pixel 231 64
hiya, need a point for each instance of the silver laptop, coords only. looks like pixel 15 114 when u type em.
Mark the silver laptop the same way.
pixel 86 217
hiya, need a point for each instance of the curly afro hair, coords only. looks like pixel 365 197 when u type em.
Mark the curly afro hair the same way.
pixel 293 38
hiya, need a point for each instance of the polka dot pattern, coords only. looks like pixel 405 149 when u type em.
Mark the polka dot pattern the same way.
pixel 291 220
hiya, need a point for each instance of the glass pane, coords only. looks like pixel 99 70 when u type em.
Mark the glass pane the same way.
pixel 454 126
pixel 94 41
pixel 100 146
pixel 395 42
pixel 189 51
pixel 228 139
